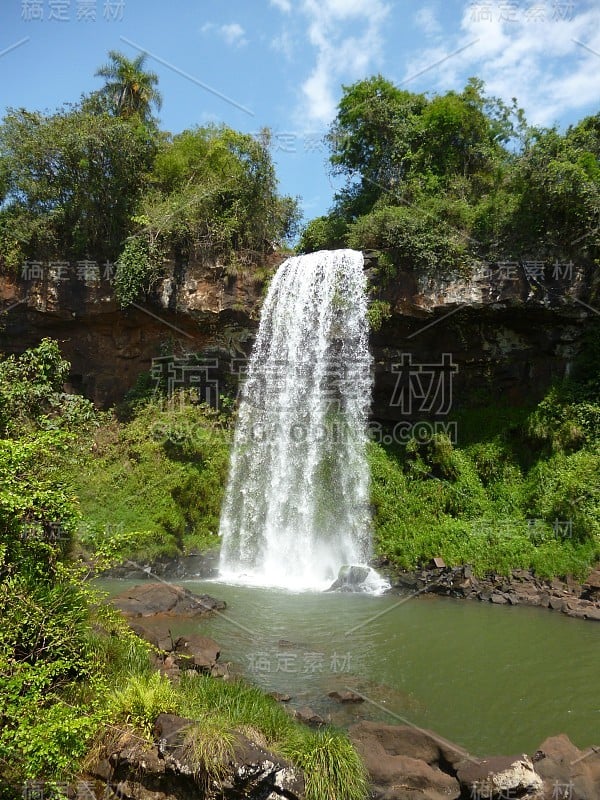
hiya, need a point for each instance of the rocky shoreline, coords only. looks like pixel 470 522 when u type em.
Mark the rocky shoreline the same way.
pixel 570 597
pixel 403 762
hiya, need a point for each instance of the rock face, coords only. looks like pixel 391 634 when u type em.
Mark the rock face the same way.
pixel 171 769
pixel 169 568
pixel 568 773
pixel 408 763
pixel 153 599
pixel 506 336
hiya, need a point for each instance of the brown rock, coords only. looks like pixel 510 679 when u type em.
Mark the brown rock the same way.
pixel 593 579
pixel 511 776
pixel 281 698
pixel 581 609
pixel 564 766
pixel 406 762
pixel 196 652
pixel 346 697
pixel 145 634
pixel 308 716
pixel 220 671
pixel 151 599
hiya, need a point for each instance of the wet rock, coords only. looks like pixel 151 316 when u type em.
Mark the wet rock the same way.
pixel 280 697
pixel 581 609
pixel 220 671
pixel 196 652
pixel 180 567
pixel 521 588
pixel 152 599
pixel 160 639
pixel 146 634
pixel 350 578
pixel 308 716
pixel 285 644
pixel 501 776
pixel 170 728
pixel 406 580
pixel 346 697
pixel 544 600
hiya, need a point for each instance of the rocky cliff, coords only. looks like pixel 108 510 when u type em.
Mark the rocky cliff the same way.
pixel 503 334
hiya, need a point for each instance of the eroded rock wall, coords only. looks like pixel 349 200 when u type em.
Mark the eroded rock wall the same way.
pixel 500 335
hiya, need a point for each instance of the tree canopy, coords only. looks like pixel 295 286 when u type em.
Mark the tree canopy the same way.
pixel 439 182
pixel 129 89
pixel 98 180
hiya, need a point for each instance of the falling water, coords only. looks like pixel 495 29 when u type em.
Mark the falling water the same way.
pixel 297 501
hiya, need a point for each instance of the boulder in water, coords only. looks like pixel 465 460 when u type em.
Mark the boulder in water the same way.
pixel 358 578
pixel 153 599
pixel 346 696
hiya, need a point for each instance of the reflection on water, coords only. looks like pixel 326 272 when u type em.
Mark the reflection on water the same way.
pixel 493 679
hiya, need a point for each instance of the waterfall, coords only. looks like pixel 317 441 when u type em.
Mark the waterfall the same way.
pixel 296 506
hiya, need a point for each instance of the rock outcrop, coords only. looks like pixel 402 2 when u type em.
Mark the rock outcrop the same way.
pixel 408 763
pixel 179 765
pixel 501 333
pixel 154 599
pixel 580 600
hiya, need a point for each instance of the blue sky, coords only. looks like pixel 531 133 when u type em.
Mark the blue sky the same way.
pixel 281 63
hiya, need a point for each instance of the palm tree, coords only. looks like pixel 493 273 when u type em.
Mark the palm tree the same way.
pixel 129 88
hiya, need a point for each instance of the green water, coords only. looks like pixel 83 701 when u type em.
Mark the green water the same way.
pixel 496 680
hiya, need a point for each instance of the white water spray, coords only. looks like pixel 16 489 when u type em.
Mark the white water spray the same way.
pixel 297 501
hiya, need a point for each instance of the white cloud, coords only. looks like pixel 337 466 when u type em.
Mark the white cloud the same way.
pixel 282 5
pixel 536 61
pixel 426 20
pixel 232 34
pixel 283 44
pixel 343 54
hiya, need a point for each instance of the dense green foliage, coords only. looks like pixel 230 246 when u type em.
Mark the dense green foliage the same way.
pixel 332 767
pixel 153 485
pixel 439 183
pixel 520 489
pixel 73 180
pixel 72 674
pixel 212 195
pixel 99 181
pixel 50 677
